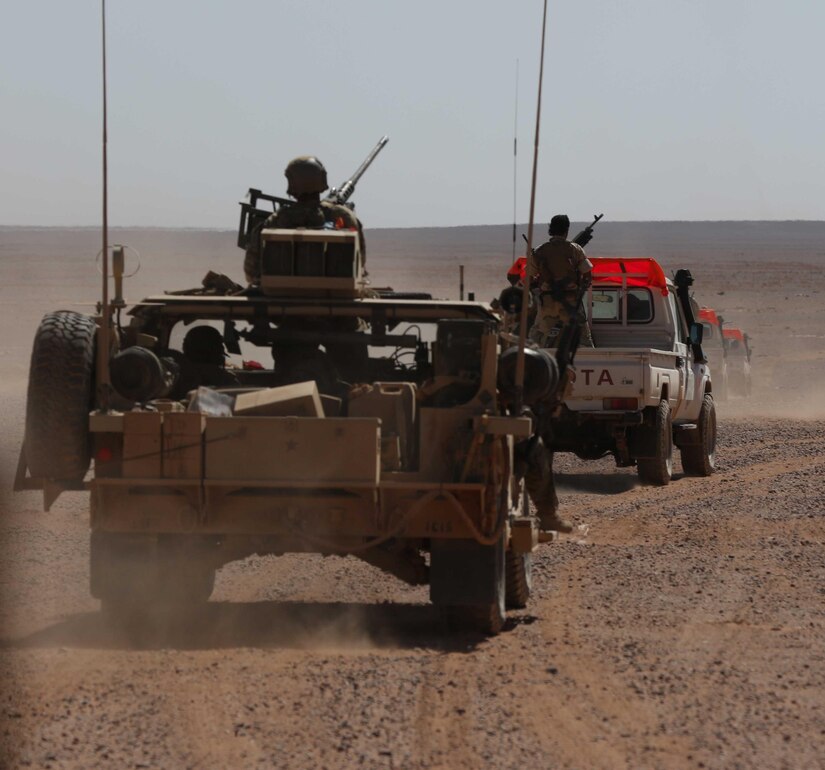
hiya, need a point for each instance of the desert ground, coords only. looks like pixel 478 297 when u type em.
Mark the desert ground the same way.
pixel 681 626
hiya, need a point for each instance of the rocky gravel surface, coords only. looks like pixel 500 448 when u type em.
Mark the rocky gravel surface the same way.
pixel 677 627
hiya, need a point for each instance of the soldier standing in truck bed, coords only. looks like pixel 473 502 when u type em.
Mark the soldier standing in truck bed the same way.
pixel 306 179
pixel 563 269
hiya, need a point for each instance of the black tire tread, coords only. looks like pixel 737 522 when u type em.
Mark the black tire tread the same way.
pixel 654 470
pixel 518 568
pixel 61 376
pixel 699 459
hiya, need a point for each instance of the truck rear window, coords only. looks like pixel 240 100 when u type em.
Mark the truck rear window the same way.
pixel 607 306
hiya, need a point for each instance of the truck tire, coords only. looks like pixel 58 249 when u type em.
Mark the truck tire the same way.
pixel 699 459
pixel 518 579
pixel 658 469
pixel 467 582
pixel 60 396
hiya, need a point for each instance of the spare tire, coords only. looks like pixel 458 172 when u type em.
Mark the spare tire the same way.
pixel 60 396
pixel 541 375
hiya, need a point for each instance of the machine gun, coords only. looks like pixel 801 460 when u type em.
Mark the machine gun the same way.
pixel 343 193
pixel 252 216
pixel 586 235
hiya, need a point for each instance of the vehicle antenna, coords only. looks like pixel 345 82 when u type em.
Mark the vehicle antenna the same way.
pixel 525 296
pixel 515 164
pixel 105 319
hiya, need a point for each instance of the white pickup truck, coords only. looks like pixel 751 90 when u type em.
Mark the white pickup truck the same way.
pixel 646 385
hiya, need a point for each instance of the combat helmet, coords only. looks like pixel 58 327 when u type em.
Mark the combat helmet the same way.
pixel 204 345
pixel 305 175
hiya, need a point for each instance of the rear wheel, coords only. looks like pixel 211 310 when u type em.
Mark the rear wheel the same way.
pixel 467 581
pixel 658 469
pixel 518 579
pixel 60 396
pixel 699 458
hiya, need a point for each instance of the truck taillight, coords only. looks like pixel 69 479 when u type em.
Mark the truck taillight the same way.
pixel 104 455
pixel 623 404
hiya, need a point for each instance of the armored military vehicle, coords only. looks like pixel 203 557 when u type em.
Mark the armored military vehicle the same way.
pixel 371 423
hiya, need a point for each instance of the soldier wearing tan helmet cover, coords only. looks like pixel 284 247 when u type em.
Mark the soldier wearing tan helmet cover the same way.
pixel 306 180
pixel 562 268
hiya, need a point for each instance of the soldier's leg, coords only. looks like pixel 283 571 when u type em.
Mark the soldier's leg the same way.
pixel 586 338
pixel 558 321
pixel 548 324
pixel 541 488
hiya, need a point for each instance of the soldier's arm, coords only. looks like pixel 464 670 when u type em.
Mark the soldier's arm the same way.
pixel 583 264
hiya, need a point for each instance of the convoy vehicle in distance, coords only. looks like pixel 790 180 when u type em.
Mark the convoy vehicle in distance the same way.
pixel 374 426
pixel 715 346
pixel 739 353
pixel 646 385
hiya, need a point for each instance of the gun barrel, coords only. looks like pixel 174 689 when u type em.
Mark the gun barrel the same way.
pixel 369 159
pixel 342 193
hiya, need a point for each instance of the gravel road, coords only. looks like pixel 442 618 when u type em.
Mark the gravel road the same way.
pixel 677 627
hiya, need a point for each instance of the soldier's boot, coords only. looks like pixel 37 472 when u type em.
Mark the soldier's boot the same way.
pixel 550 521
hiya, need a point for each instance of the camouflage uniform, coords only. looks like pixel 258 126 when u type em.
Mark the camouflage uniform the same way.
pixel 535 463
pixel 560 266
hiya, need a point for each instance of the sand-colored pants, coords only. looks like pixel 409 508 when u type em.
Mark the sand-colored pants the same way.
pixel 552 318
pixel 535 462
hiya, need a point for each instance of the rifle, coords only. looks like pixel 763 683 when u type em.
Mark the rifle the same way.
pixel 586 235
pixel 342 194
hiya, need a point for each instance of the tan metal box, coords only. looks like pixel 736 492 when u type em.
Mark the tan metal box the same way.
pixel 308 261
pixel 286 450
pixel 142 444
pixel 183 445
pixel 298 400
pixel 395 404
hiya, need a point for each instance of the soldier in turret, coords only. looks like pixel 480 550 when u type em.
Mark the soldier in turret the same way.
pixel 306 179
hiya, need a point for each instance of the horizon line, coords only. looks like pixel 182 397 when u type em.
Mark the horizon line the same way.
pixel 204 228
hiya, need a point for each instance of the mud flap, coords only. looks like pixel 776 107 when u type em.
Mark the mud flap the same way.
pixel 462 572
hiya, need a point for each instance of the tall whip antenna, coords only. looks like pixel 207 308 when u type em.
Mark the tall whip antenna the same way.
pixel 106 311
pixel 515 164
pixel 525 296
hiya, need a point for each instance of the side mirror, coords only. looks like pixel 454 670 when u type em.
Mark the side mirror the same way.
pixel 696 333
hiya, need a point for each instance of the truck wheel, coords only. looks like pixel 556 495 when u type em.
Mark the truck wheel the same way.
pixel 658 469
pixel 699 459
pixel 60 397
pixel 467 581
pixel 518 579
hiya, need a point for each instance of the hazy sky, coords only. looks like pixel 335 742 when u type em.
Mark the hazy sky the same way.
pixel 653 109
